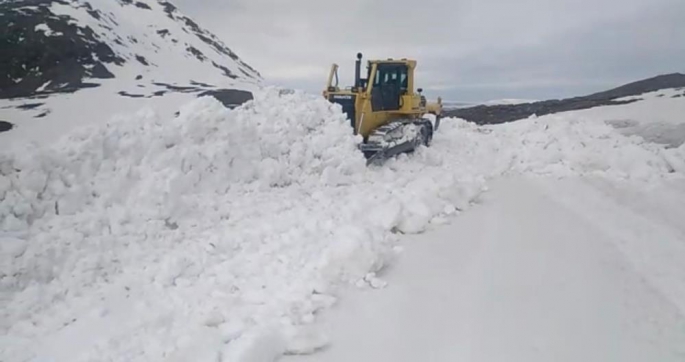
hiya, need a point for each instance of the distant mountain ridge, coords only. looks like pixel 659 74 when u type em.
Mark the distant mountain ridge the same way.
pixel 494 114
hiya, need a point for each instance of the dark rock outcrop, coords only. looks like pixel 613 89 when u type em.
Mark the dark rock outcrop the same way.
pixel 507 113
pixel 5 126
pixel 230 98
pixel 39 47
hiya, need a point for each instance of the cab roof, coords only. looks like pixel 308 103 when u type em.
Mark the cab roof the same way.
pixel 392 61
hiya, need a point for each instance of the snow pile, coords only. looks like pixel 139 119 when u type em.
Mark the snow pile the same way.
pixel 676 158
pixel 564 145
pixel 151 165
pixel 664 107
pixel 220 234
pixel 216 235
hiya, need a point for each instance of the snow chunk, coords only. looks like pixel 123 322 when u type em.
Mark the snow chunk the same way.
pixel 46 30
pixel 676 158
pixel 12 247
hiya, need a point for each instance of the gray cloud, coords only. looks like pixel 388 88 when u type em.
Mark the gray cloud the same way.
pixel 467 49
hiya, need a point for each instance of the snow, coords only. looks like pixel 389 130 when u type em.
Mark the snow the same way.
pixel 541 270
pixel 576 249
pixel 667 92
pixel 224 235
pixel 232 225
pixel 67 112
pixel 657 116
pixel 46 30
pixel 660 110
pixel 43 87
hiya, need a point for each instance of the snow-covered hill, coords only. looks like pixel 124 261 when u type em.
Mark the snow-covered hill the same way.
pixel 657 116
pixel 87 60
pixel 452 105
pixel 625 94
pixel 509 101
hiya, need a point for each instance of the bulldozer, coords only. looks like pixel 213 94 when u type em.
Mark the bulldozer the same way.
pixel 384 108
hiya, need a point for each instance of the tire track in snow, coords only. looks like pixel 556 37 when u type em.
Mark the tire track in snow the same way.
pixel 521 277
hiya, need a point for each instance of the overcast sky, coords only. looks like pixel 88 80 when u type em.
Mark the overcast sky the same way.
pixel 467 50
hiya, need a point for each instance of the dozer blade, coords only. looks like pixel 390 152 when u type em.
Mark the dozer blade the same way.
pixel 379 156
pixel 393 139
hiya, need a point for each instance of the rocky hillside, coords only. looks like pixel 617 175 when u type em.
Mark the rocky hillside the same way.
pixel 133 48
pixel 494 114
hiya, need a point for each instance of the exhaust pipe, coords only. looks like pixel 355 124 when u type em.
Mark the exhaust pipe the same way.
pixel 357 71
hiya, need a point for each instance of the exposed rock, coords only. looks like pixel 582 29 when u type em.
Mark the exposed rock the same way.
pixel 196 53
pixel 27 106
pixel 39 47
pixel 176 88
pixel 127 94
pixel 5 126
pixel 227 72
pixel 201 84
pixel 230 98
pixel 142 60
pixel 143 5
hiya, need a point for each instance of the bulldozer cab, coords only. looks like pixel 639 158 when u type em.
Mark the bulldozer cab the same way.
pixel 390 83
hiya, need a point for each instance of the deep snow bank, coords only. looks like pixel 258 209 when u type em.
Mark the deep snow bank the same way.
pixel 565 144
pixel 655 116
pixel 218 235
pixel 211 235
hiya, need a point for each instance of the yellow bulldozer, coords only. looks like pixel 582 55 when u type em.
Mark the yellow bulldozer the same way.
pixel 384 108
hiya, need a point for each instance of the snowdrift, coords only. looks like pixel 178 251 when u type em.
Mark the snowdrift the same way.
pixel 199 235
pixel 220 234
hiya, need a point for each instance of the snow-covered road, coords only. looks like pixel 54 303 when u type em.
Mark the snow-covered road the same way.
pixel 536 272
